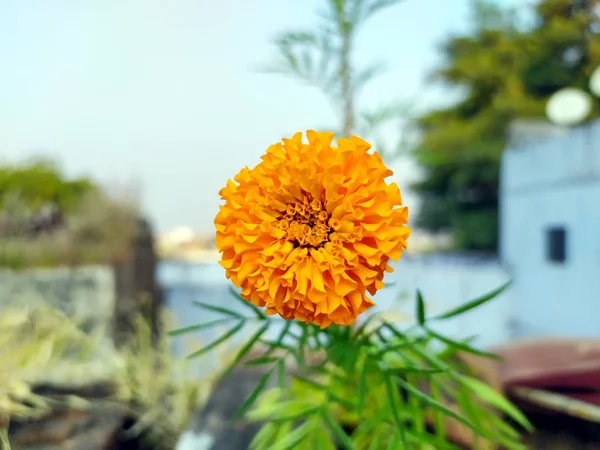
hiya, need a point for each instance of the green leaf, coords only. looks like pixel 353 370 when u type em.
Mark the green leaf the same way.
pixel 264 438
pixel 461 346
pixel 218 309
pixel 405 370
pixel 337 431
pixel 282 411
pixel 473 303
pixel 435 404
pixel 425 355
pixel 246 348
pixel 262 360
pixel 360 330
pixel 376 442
pixel 362 387
pixel 198 327
pixel 394 443
pixel 315 384
pixel 439 425
pixel 262 383
pixel 420 308
pixel 393 399
pixel 497 400
pixel 218 341
pixel 281 375
pixel 257 311
pixel 322 440
pixel 433 441
pixel 284 331
pixel 295 437
pixel 300 414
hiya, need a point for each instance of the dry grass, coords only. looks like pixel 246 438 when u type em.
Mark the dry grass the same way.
pixel 41 345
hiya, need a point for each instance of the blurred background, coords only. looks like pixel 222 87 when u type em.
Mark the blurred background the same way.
pixel 121 121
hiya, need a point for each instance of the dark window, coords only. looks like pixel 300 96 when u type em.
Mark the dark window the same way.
pixel 556 244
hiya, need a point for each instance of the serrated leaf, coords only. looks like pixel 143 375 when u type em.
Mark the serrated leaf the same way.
pixel 218 341
pixel 420 308
pixel 435 404
pixel 262 383
pixel 343 439
pixel 473 303
pixel 257 311
pixel 497 400
pixel 218 309
pixel 200 326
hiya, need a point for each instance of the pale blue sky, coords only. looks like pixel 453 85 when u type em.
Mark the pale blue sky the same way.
pixel 164 91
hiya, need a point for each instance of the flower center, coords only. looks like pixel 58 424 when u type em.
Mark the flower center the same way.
pixel 305 223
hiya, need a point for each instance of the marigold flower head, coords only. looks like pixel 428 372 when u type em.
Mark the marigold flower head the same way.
pixel 309 231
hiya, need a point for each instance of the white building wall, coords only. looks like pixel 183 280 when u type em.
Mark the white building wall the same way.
pixel 449 282
pixel 553 183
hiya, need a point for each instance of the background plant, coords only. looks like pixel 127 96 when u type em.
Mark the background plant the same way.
pixel 47 219
pixel 323 57
pixel 41 345
pixel 374 386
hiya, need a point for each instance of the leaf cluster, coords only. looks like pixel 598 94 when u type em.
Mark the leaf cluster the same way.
pixel 364 387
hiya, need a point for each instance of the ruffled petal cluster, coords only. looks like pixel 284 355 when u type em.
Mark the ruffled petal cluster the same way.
pixel 308 232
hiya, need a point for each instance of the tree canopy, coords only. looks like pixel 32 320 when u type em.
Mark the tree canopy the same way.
pixel 504 71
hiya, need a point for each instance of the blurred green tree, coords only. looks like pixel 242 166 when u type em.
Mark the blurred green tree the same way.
pixel 40 182
pixel 505 69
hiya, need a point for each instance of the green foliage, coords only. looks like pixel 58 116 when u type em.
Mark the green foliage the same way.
pixel 90 227
pixel 373 386
pixel 38 183
pixel 505 72
pixel 323 58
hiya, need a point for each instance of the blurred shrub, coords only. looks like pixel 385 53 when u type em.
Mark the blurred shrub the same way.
pixel 40 182
pixel 47 219
pixel 98 231
pixel 40 345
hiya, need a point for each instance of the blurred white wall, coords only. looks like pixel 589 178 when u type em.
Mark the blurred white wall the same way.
pixel 553 183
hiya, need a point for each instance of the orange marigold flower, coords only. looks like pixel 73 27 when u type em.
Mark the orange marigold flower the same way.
pixel 309 231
